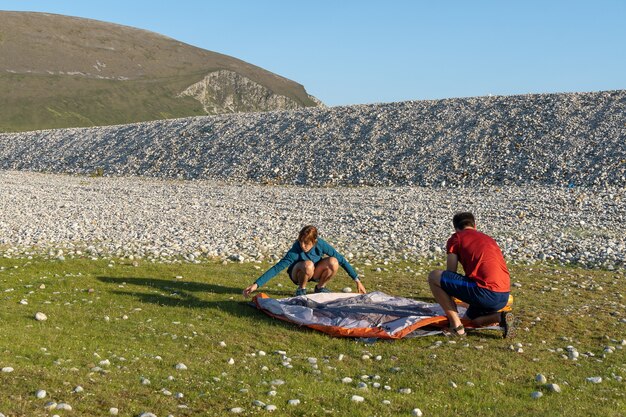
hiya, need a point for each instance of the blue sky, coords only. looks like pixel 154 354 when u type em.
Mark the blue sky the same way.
pixel 361 51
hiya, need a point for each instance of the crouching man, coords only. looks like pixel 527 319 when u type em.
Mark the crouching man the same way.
pixel 485 285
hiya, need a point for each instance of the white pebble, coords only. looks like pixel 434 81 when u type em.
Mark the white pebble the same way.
pixel 78 389
pixel 272 393
pixel 340 357
pixel 541 379
pixel 41 394
pixel 39 316
pixel 357 399
pixel 223 344
pixel 536 395
pixel 386 402
pixel 236 410
pixel 553 387
pixel 64 406
pixel 50 405
pixel 346 380
pixel 346 289
pixel 114 411
pixel 270 407
pixel 417 412
pixel 595 379
pixel 258 403
pixel 404 390
pixel 181 366
pixel 7 369
pixel 293 402
pixel 231 361
pixel 261 353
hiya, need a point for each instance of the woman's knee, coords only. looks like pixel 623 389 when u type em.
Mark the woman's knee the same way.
pixel 309 268
pixel 333 264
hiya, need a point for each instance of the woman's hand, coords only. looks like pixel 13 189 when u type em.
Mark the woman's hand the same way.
pixel 249 290
pixel 360 288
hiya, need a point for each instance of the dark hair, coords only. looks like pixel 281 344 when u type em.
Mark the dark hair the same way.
pixel 463 220
pixel 308 234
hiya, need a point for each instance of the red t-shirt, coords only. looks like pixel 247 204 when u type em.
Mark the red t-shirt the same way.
pixel 481 258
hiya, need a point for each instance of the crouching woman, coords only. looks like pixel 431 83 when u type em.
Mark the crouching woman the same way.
pixel 309 259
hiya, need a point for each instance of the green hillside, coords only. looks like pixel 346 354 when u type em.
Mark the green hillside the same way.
pixel 59 71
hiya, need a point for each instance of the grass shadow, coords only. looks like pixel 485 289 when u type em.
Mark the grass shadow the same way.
pixel 184 300
pixel 172 285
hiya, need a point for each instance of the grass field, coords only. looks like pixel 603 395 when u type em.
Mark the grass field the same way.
pixel 111 324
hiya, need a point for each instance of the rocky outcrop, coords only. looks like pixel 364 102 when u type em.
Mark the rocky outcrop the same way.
pixel 229 92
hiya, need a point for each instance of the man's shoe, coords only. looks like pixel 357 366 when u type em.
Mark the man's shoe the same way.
pixel 323 289
pixel 507 322
pixel 300 291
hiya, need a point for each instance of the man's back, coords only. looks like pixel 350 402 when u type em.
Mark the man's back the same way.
pixel 481 258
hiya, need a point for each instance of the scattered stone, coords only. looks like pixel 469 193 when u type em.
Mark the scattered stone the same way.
pixel 346 380
pixel 39 316
pixel 294 402
pixel 553 387
pixel 540 379
pixel 7 369
pixel 64 407
pixel 50 405
pixel 181 367
pixel 114 411
pixel 41 394
pixel 270 407
pixel 595 379
pixel 346 289
pixel 231 361
pixel 404 390
pixel 417 412
pixel 236 410
pixel 536 395
pixel 357 399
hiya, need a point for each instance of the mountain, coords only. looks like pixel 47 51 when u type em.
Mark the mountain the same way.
pixel 60 71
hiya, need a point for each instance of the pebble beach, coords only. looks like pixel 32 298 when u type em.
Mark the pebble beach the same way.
pixel 544 175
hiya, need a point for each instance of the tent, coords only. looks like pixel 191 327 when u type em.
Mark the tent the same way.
pixel 372 315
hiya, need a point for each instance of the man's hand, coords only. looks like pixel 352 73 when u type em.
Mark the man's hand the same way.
pixel 360 288
pixel 249 290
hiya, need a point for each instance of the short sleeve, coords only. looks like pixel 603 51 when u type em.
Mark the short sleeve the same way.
pixel 452 246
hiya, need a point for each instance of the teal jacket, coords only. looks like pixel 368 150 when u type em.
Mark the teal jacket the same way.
pixel 296 254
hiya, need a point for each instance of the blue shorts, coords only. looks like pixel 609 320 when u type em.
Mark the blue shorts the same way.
pixel 481 300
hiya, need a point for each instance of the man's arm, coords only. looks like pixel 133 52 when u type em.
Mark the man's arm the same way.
pixel 452 262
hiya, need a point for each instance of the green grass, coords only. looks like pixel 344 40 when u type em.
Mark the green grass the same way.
pixel 183 320
pixel 51 102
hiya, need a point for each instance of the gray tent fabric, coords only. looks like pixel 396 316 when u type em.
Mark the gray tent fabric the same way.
pixel 375 314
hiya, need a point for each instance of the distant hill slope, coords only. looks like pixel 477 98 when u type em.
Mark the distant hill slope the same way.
pixel 60 71
pixel 566 140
